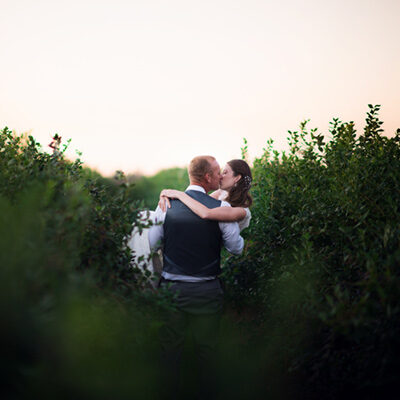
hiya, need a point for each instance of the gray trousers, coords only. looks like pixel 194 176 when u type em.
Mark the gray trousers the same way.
pixel 198 317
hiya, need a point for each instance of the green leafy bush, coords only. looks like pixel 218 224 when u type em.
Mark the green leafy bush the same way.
pixel 77 322
pixel 321 269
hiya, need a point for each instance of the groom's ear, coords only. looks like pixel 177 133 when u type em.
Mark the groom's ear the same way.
pixel 207 177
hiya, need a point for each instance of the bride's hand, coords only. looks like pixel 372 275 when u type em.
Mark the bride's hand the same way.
pixel 164 203
pixel 165 195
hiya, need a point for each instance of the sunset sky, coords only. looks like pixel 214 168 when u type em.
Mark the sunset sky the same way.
pixel 141 85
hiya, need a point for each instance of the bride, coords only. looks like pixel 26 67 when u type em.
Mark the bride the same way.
pixel 234 188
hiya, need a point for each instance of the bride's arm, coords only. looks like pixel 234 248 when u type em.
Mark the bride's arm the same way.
pixel 226 214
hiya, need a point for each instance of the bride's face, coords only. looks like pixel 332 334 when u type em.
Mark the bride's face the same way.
pixel 228 179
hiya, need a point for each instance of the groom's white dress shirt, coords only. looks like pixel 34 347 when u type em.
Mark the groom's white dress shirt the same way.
pixel 231 239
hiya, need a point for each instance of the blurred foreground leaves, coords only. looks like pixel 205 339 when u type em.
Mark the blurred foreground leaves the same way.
pixel 76 321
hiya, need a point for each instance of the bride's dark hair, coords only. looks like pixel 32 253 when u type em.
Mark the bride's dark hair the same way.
pixel 238 195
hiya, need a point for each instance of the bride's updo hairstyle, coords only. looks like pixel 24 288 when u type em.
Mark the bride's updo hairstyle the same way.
pixel 238 195
pixel 200 166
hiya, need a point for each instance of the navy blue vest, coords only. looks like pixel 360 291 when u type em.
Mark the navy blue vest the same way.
pixel 192 245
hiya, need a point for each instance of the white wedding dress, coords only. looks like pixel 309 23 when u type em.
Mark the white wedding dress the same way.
pixel 243 223
pixel 139 243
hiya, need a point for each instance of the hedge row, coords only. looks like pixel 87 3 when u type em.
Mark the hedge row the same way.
pixel 320 274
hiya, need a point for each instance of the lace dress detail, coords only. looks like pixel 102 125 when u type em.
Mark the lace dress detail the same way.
pixel 245 222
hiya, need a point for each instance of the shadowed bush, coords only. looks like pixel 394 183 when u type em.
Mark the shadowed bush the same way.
pixel 76 321
pixel 321 270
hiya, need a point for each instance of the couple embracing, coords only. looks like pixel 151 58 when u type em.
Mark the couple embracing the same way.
pixel 191 228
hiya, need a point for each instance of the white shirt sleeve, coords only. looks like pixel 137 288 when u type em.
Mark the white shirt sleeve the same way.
pixel 231 238
pixel 156 232
pixel 245 222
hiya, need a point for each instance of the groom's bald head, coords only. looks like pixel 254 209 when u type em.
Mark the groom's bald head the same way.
pixel 204 170
pixel 200 166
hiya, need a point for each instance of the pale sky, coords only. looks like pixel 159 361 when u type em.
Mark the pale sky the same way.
pixel 144 85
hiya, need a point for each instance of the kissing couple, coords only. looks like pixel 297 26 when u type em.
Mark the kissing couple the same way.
pixel 190 228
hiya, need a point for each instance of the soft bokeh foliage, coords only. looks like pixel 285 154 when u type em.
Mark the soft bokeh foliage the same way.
pixel 147 188
pixel 77 321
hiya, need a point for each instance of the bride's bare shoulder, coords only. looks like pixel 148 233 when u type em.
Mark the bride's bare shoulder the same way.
pixel 216 194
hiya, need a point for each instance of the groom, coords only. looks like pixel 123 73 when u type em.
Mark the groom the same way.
pixel 192 249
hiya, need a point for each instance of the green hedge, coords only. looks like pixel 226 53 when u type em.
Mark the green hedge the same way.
pixel 77 322
pixel 312 304
pixel 320 275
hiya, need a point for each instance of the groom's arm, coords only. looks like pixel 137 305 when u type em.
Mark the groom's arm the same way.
pixel 231 238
